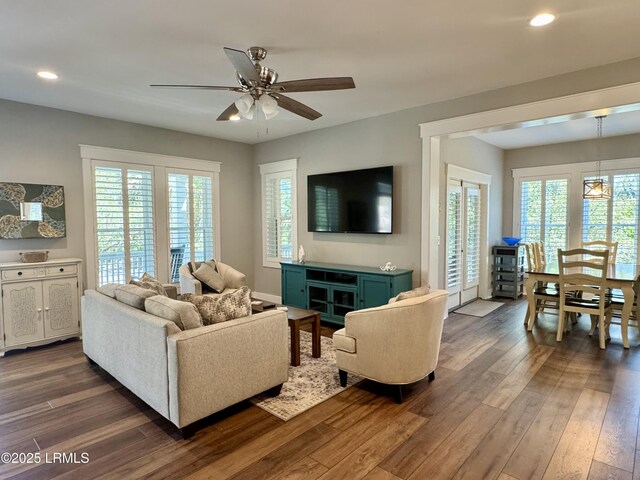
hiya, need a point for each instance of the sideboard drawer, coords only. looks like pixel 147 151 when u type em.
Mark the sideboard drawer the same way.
pixel 62 269
pixel 22 273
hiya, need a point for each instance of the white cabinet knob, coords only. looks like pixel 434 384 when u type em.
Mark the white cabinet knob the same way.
pixel 46 309
pixel 39 310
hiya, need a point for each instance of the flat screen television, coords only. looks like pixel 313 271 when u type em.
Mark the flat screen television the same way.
pixel 357 201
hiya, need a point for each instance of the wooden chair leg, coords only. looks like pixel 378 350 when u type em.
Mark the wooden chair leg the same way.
pixel 560 325
pixel 343 378
pixel 594 322
pixel 602 332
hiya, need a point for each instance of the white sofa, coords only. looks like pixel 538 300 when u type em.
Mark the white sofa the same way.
pixel 395 344
pixel 186 375
pixel 233 279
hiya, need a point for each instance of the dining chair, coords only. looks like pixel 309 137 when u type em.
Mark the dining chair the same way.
pixel 579 276
pixel 603 245
pixel 545 295
pixel 539 252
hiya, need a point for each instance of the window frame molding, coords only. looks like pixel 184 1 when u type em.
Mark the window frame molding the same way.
pixel 281 166
pixel 574 173
pixel 159 164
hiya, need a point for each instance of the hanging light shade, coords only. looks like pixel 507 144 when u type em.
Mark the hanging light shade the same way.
pixel 269 106
pixel 598 188
pixel 244 104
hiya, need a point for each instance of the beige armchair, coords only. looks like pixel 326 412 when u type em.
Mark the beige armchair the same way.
pixel 395 344
pixel 233 279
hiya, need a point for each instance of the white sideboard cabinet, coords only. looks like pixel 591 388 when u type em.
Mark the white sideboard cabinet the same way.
pixel 40 302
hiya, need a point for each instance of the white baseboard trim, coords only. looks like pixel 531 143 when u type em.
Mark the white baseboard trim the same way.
pixel 267 297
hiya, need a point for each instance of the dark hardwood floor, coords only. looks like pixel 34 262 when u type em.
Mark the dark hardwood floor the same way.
pixel 505 405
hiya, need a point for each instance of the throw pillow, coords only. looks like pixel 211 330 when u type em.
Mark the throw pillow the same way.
pixel 416 292
pixel 109 289
pixel 133 295
pixel 150 283
pixel 185 315
pixel 212 279
pixel 222 307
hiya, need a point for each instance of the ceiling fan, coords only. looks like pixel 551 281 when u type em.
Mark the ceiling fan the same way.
pixel 260 87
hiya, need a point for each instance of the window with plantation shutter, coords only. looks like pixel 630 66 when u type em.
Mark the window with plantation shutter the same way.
pixel 124 228
pixel 472 247
pixel 279 225
pixel 145 215
pixel 617 219
pixel 544 213
pixel 190 203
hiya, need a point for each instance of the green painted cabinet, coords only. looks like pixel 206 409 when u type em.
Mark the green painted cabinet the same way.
pixel 335 290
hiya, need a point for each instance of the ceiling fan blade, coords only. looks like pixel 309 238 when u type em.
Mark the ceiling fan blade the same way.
pixel 242 63
pixel 315 84
pixel 201 87
pixel 228 113
pixel 295 107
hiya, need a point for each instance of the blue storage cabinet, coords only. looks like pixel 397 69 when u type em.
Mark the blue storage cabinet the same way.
pixel 335 290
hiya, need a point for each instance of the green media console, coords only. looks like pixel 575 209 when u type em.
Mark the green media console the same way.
pixel 335 290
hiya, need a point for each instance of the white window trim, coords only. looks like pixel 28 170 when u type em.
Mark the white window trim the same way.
pixel 277 167
pixel 575 173
pixel 93 154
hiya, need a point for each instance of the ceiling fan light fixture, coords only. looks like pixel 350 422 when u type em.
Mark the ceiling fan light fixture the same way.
pixel 244 104
pixel 268 104
pixel 249 113
pixel 235 118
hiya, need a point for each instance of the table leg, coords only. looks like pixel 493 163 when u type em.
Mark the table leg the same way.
pixel 295 343
pixel 627 291
pixel 315 334
pixel 529 287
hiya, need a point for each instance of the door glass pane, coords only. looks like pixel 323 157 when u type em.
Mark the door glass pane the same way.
pixel 141 231
pixel 624 216
pixel 109 200
pixel 179 215
pixel 472 249
pixel 454 237
pixel 202 218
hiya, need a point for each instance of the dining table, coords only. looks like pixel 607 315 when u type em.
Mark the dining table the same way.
pixel 619 275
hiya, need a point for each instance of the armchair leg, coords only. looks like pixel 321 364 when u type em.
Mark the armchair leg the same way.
pixel 399 397
pixel 188 431
pixel 343 378
pixel 89 361
pixel 432 376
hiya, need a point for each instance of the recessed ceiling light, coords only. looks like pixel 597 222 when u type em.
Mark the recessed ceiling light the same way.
pixel 47 75
pixel 542 19
pixel 234 118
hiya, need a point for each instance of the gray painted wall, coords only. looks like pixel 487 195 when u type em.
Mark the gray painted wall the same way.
pixel 609 148
pixel 40 145
pixel 394 139
pixel 474 154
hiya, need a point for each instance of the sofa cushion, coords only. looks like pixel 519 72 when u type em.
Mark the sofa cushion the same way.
pixel 109 289
pixel 220 308
pixel 341 341
pixel 184 314
pixel 208 276
pixel 416 292
pixel 133 295
pixel 150 283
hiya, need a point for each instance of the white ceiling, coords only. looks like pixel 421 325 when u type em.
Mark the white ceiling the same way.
pixel 570 130
pixel 401 54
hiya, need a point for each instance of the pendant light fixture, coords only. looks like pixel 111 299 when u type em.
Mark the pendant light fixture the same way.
pixel 598 188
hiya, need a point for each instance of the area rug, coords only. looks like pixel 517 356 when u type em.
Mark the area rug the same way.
pixel 312 382
pixel 479 308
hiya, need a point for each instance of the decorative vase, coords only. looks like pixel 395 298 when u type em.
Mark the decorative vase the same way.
pixel 301 254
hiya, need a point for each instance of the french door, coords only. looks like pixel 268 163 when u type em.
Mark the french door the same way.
pixel 464 223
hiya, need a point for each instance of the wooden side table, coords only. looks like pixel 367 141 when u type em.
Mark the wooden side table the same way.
pixel 298 316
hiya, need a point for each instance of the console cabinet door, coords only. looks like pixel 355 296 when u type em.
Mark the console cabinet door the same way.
pixel 293 287
pixel 375 290
pixel 60 298
pixel 22 312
